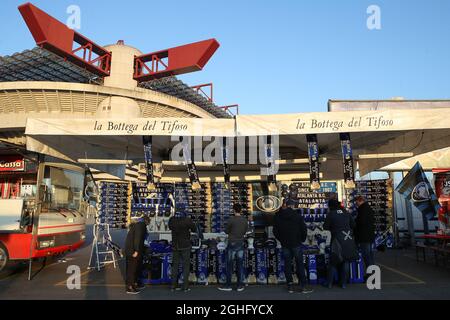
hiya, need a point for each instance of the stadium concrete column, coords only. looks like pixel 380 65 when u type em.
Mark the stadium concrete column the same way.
pixel 122 71
pixel 122 67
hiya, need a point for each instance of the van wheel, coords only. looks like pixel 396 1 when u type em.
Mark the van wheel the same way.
pixel 4 258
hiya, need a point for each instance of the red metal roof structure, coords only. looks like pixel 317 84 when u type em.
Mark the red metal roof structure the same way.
pixel 183 59
pixel 64 55
pixel 56 37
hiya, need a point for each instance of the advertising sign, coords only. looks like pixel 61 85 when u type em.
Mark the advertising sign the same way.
pixel 12 164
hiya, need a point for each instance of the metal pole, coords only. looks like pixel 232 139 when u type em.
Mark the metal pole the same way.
pixel 394 212
pixel 410 219
pixel 426 227
pixel 38 205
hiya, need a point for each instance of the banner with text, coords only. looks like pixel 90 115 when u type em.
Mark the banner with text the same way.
pixel 341 122
pixel 347 161
pixel 132 127
pixel 314 165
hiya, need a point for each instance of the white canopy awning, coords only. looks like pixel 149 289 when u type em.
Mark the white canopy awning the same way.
pixel 372 132
pixel 342 122
pixel 429 161
pixel 131 127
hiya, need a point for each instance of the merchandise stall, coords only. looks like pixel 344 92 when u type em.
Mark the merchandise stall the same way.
pixel 317 152
pixel 210 208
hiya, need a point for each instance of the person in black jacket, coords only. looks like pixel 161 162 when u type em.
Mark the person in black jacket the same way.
pixel 134 250
pixel 343 247
pixel 290 229
pixel 181 227
pixel 365 231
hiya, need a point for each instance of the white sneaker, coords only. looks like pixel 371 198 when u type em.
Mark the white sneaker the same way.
pixel 228 289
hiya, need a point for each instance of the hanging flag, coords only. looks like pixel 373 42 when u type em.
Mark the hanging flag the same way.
pixel 147 140
pixel 191 167
pixel 347 161
pixel 225 158
pixel 314 166
pixel 270 161
pixel 416 188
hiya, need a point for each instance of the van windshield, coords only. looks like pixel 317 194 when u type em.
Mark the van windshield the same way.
pixel 63 189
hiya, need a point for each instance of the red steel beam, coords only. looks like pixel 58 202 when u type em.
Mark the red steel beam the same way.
pixel 174 61
pixel 55 36
pixel 199 89
pixel 233 106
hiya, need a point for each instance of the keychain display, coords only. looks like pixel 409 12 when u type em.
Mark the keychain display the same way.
pixel 313 206
pixel 156 203
pixel 221 207
pixel 113 204
pixel 379 196
pixel 223 198
pixel 194 203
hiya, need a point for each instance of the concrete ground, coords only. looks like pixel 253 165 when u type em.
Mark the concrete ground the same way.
pixel 402 278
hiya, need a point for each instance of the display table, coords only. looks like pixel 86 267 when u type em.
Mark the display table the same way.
pixel 442 239
pixel 441 250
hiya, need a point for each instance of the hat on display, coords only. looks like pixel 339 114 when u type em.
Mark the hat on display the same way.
pixel 290 202
pixel 271 243
pixel 137 216
pixel 259 244
pixel 180 214
pixel 221 246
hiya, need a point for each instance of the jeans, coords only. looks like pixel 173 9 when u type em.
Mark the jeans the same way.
pixel 367 254
pixel 343 269
pixel 297 255
pixel 183 257
pixel 235 251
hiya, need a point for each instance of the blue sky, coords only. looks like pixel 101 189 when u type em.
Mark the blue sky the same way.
pixel 277 56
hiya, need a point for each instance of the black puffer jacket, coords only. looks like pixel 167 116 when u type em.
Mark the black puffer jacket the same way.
pixel 289 228
pixel 135 238
pixel 365 224
pixel 181 232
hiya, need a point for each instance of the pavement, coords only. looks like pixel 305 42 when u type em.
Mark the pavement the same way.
pixel 402 278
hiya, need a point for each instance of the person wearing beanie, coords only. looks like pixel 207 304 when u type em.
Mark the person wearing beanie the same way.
pixel 134 251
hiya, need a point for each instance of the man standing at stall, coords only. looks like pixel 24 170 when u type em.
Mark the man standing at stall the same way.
pixel 343 248
pixel 134 251
pixel 365 231
pixel 181 227
pixel 236 228
pixel 290 229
